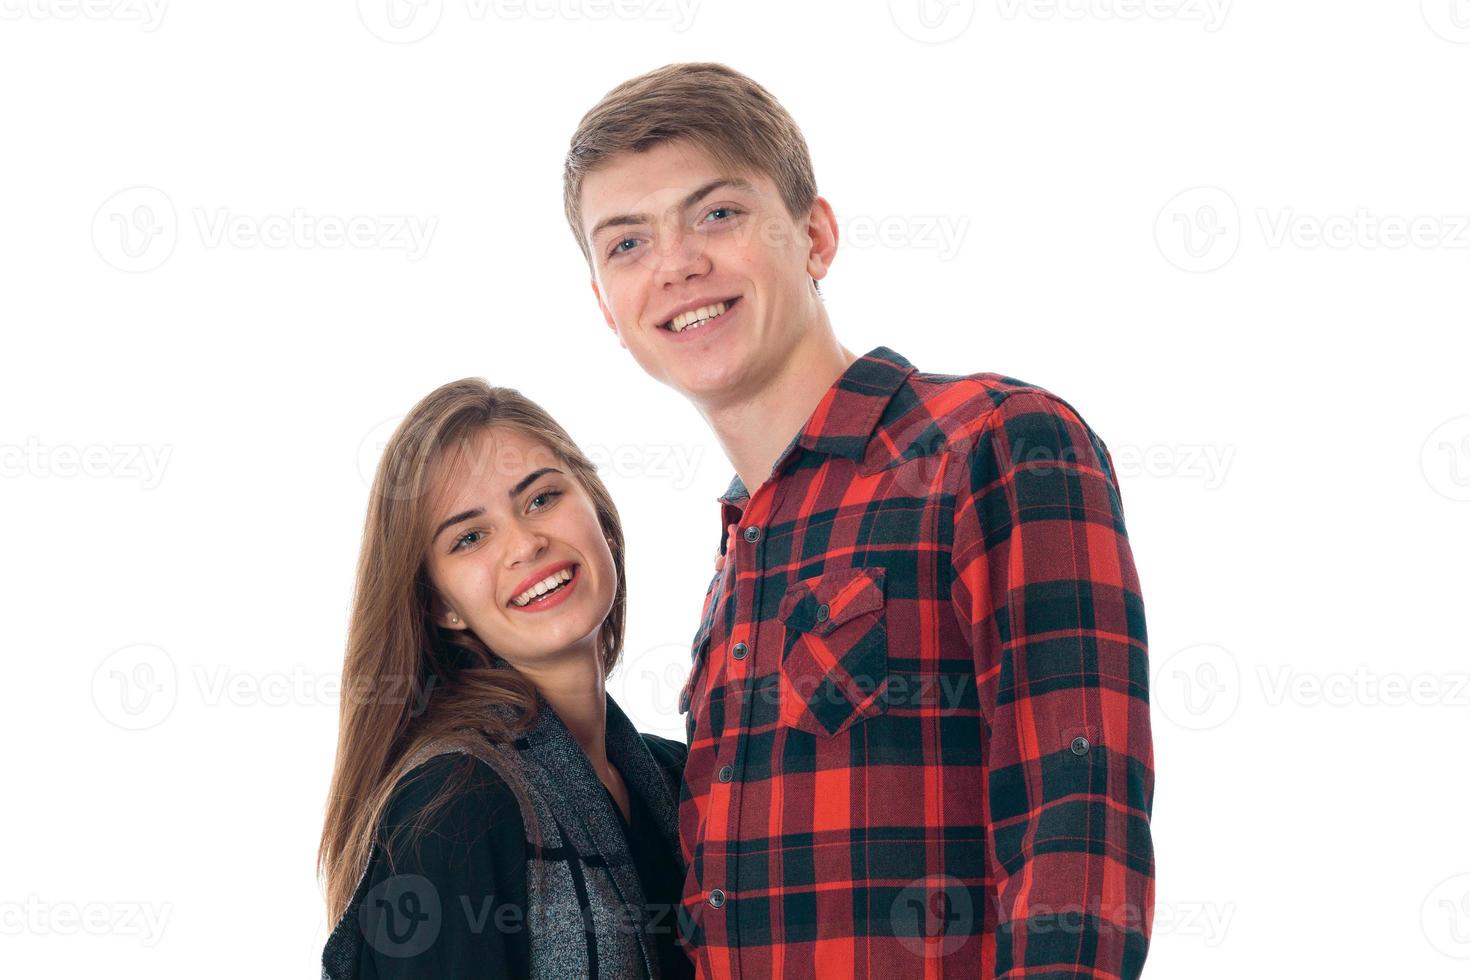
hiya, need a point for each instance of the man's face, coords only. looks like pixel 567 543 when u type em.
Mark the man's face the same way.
pixel 674 239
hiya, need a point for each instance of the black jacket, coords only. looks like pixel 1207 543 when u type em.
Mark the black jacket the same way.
pixel 446 893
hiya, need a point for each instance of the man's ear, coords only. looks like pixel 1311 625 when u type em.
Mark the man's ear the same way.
pixel 606 313
pixel 821 228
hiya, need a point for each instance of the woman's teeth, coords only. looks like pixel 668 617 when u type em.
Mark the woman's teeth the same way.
pixel 696 318
pixel 549 584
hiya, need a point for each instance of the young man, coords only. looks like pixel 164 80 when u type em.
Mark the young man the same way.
pixel 919 738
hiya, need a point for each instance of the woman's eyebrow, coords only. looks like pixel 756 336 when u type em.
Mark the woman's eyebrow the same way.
pixel 529 479
pixel 451 521
pixel 514 492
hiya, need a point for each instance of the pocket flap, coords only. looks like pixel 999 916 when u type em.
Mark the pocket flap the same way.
pixel 822 603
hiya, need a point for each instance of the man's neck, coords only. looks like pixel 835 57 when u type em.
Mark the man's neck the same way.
pixel 753 431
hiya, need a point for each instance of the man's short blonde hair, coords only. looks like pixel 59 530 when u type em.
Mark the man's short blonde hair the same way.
pixel 710 106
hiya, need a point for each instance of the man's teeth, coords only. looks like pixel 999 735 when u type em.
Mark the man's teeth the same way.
pixel 544 586
pixel 696 317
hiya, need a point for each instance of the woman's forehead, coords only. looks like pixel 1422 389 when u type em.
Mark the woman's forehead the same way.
pixel 490 458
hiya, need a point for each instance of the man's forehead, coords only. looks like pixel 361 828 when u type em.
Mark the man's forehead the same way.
pixel 674 158
pixel 652 180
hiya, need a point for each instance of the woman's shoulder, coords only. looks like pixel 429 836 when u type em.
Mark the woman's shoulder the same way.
pixel 454 797
pixel 455 853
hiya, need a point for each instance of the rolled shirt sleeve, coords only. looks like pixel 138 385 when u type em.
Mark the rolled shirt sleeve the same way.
pixel 1046 587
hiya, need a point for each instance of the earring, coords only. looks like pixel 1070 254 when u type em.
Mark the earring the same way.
pixel 453 618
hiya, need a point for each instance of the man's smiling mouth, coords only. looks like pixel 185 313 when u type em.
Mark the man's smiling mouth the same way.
pixel 695 319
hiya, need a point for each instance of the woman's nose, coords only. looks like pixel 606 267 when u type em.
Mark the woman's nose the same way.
pixel 526 546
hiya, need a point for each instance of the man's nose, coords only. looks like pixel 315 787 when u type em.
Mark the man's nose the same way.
pixel 679 256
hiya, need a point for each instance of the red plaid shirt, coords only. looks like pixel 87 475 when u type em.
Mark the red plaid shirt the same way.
pixel 918 715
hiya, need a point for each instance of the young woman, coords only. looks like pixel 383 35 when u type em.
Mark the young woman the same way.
pixel 493 812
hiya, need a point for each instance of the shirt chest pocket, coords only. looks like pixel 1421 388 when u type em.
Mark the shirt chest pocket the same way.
pixel 834 668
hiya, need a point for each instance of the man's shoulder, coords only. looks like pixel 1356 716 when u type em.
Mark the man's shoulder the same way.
pixel 936 413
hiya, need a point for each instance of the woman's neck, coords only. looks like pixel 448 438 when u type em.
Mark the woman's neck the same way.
pixel 573 686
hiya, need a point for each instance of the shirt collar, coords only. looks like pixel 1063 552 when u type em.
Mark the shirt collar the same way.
pixel 844 419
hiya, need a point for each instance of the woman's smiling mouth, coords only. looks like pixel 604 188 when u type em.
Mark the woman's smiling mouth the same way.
pixel 549 591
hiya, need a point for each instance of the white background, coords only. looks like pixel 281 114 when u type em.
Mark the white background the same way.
pixel 1235 236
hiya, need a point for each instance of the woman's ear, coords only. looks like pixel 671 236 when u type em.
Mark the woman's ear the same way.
pixel 449 619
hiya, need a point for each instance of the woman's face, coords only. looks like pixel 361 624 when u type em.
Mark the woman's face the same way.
pixel 517 551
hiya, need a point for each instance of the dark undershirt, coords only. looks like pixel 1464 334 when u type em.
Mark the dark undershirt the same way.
pixel 662 884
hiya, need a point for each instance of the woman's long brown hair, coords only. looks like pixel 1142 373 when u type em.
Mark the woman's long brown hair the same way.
pixel 405 680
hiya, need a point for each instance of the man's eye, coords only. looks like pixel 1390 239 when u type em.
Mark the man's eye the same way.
pixel 618 249
pixel 547 495
pixel 722 212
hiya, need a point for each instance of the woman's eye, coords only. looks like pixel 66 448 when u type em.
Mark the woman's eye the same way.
pixel 463 538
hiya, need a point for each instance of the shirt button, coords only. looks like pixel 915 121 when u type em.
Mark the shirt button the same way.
pixel 823 612
pixel 752 534
pixel 726 774
pixel 1079 745
pixel 740 651
pixel 716 898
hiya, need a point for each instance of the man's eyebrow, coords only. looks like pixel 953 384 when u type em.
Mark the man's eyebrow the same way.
pixel 734 183
pixel 514 492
